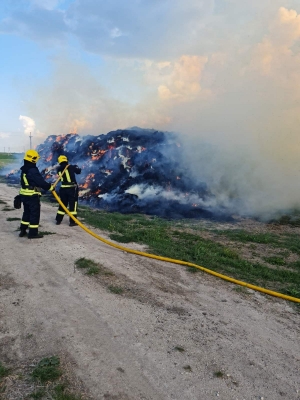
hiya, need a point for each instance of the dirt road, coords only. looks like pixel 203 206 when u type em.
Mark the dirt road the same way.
pixel 170 335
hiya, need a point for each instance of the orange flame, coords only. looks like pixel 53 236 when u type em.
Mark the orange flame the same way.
pixel 98 155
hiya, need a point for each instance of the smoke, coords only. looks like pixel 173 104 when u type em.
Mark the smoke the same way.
pixel 28 124
pixel 237 109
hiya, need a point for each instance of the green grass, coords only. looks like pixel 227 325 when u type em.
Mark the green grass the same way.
pixel 219 374
pixel 193 270
pixel 7 208
pixel 47 370
pixel 39 394
pixel 292 220
pixel 179 348
pixel 13 219
pixel 5 159
pixel 275 260
pixel 45 233
pixel 3 202
pixel 170 239
pixel 91 267
pixel 3 371
pixel 115 289
pixel 60 393
pixel 93 271
pixel 289 242
pixel 85 263
pixel 241 289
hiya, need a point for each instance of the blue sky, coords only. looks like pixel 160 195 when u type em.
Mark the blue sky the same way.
pixel 224 72
pixel 208 68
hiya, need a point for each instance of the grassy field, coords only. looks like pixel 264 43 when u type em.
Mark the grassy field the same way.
pixel 265 258
pixel 5 159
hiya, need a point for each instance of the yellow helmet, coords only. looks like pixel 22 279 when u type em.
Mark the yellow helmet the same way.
pixel 32 156
pixel 62 159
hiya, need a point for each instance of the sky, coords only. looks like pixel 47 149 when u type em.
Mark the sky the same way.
pixel 219 72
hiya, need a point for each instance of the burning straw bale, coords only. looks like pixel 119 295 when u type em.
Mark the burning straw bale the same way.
pixel 131 170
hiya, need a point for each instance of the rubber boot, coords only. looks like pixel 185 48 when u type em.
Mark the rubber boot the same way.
pixel 22 233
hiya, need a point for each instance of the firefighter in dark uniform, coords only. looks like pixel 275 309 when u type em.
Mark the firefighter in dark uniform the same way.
pixel 31 182
pixel 68 191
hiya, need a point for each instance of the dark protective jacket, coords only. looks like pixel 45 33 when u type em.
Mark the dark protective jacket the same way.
pixel 32 180
pixel 68 178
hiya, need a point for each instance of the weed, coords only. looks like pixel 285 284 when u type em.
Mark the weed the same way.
pixel 93 271
pixel 61 394
pixel 275 260
pixel 38 394
pixel 230 253
pixel 46 233
pixel 219 374
pixel 115 289
pixel 47 370
pixel 295 265
pixel 180 349
pixel 3 202
pixel 29 336
pixel 188 368
pixel 8 209
pixel 163 238
pixel 85 263
pixel 241 289
pixel 293 291
pixel 13 219
pixel 3 371
pixel 192 270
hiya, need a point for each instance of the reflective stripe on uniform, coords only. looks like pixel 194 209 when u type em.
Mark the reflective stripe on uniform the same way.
pixel 68 175
pixel 24 223
pixel 75 208
pixel 29 192
pixel 33 226
pixel 73 212
pixel 61 212
pixel 25 180
pixel 67 186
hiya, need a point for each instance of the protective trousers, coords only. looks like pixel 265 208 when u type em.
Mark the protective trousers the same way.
pixel 31 214
pixel 69 197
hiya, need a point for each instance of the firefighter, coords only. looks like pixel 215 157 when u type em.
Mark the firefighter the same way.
pixel 68 191
pixel 31 182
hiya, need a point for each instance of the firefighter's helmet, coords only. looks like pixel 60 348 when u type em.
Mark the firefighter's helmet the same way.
pixel 32 156
pixel 62 159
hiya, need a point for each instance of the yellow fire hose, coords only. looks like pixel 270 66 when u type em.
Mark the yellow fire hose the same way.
pixel 141 253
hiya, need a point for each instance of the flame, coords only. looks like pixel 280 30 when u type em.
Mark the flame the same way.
pixel 96 156
pixel 87 181
pixel 59 138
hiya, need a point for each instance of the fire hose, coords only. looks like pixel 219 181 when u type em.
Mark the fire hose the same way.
pixel 174 261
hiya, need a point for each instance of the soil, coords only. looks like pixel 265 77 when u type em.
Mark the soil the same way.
pixel 169 334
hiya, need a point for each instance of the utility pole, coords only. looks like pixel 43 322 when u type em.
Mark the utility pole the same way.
pixel 30 136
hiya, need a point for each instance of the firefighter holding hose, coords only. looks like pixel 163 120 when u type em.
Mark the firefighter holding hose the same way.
pixel 68 191
pixel 31 182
